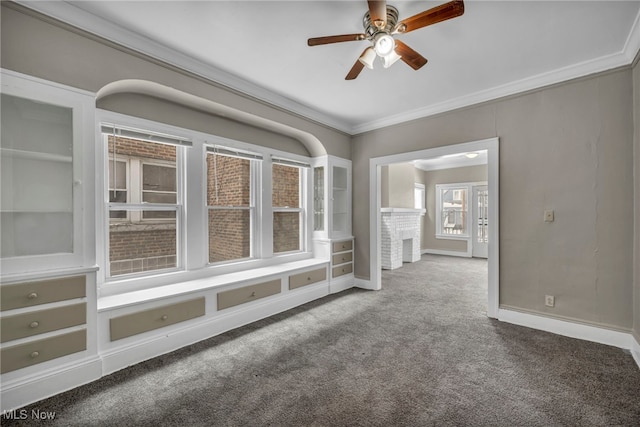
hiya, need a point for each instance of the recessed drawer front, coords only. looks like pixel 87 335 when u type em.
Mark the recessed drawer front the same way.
pixel 307 278
pixel 23 355
pixel 346 245
pixel 246 294
pixel 148 320
pixel 342 258
pixel 41 292
pixel 41 321
pixel 342 269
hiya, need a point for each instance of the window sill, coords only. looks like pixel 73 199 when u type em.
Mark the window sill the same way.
pixel 180 288
pixel 452 236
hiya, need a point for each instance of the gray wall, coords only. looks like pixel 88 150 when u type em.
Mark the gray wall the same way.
pixel 40 47
pixel 569 148
pixel 636 256
pixel 397 186
pixel 446 176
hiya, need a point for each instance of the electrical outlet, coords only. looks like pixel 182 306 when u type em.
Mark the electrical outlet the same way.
pixel 548 216
pixel 549 300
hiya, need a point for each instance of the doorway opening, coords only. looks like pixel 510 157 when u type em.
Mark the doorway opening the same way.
pixel 487 224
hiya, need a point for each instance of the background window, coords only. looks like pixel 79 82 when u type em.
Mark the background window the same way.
pixel 287 208
pixel 452 210
pixel 231 207
pixel 143 205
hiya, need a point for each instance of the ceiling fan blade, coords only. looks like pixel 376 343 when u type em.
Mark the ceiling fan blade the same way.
pixel 315 41
pixel 355 70
pixel 410 56
pixel 432 16
pixel 378 13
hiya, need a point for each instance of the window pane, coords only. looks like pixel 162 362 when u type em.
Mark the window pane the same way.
pixel 318 199
pixel 286 186
pixel 142 149
pixel 454 211
pixel 117 196
pixel 118 214
pixel 135 248
pixel 286 231
pixel 229 234
pixel 153 197
pixel 228 181
pixel 119 175
pixel 160 215
pixel 158 178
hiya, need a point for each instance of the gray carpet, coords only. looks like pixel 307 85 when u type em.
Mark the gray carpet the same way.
pixel 420 352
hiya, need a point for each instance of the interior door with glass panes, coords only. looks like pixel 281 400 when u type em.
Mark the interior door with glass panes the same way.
pixel 480 232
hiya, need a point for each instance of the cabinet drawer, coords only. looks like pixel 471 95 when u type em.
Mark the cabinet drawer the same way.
pixel 342 258
pixel 41 321
pixel 245 294
pixel 346 245
pixel 41 292
pixel 148 320
pixel 23 355
pixel 342 269
pixel 307 278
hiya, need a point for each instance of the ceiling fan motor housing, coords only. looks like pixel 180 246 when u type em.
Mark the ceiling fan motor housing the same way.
pixel 371 30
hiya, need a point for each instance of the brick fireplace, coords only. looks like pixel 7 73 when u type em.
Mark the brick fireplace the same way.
pixel 400 236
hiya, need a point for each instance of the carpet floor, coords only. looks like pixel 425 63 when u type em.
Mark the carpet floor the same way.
pixel 420 352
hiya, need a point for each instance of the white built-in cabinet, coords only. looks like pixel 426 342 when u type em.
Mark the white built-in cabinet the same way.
pixel 332 235
pixel 56 333
pixel 47 257
pixel 46 154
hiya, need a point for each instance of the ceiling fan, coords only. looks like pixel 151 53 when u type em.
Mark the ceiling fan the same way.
pixel 381 24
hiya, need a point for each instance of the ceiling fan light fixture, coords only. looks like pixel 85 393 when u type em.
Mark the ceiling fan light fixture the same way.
pixel 367 58
pixel 384 44
pixel 389 60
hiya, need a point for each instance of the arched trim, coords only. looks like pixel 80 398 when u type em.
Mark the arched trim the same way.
pixel 144 87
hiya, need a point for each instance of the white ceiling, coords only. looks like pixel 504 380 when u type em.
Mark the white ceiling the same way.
pixel 496 48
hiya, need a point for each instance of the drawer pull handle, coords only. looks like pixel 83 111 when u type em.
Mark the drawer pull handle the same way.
pixel 253 294
pixel 344 259
pixel 34 354
pixel 32 295
pixel 343 270
pixel 309 278
pixel 344 246
pixel 34 325
pixel 164 317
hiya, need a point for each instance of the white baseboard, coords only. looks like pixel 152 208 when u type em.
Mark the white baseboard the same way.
pixel 363 284
pixel 119 358
pixel 20 393
pixel 340 284
pixel 635 350
pixel 568 329
pixel 448 253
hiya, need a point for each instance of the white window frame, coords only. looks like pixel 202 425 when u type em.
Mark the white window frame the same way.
pixel 134 205
pixel 420 197
pixel 191 238
pixel 304 169
pixel 466 233
pixel 255 168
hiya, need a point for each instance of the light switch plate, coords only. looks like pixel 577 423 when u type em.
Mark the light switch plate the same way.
pixel 548 215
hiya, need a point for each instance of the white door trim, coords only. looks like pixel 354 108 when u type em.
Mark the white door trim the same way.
pixel 375 164
pixel 477 249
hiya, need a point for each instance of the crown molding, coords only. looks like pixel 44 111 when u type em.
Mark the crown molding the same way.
pixel 85 21
pixel 70 14
pixel 532 83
